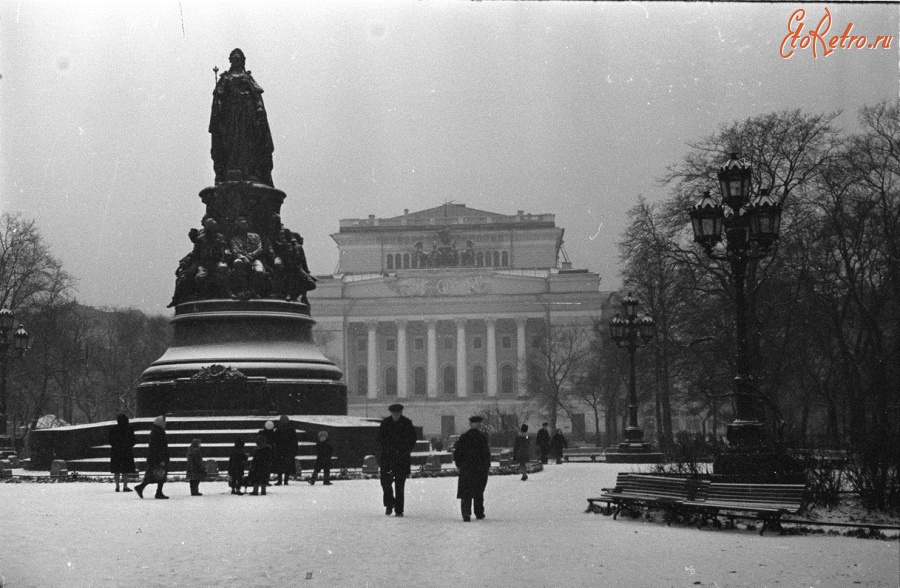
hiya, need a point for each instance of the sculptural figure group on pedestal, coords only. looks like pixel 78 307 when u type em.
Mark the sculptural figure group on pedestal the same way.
pixel 243 266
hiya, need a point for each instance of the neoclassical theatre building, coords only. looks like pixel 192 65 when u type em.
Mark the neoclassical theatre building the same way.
pixel 439 310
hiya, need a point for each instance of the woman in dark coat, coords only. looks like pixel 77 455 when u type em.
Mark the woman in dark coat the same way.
pixel 522 451
pixel 157 457
pixel 121 452
pixel 557 444
pixel 286 449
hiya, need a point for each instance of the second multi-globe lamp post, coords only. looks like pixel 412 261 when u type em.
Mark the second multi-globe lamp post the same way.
pixel 632 332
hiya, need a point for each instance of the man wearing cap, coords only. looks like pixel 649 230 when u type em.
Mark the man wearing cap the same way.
pixel 543 443
pixel 472 456
pixel 398 438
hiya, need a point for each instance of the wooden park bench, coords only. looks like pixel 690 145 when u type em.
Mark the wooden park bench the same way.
pixel 642 490
pixel 767 502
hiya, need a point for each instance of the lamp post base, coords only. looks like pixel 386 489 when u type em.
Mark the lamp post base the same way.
pixel 746 434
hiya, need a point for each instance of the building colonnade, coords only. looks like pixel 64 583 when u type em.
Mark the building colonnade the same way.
pixel 433 358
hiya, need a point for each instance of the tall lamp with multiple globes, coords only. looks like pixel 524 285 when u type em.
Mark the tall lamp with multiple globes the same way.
pixel 741 232
pixel 19 344
pixel 631 333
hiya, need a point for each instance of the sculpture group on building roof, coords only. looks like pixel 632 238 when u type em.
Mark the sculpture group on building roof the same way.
pixel 445 253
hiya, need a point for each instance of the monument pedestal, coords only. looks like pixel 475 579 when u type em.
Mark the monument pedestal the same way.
pixel 253 357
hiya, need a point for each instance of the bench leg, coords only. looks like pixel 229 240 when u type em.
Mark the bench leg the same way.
pixel 618 510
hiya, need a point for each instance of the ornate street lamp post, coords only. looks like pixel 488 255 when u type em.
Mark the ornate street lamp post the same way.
pixel 746 231
pixel 19 344
pixel 631 333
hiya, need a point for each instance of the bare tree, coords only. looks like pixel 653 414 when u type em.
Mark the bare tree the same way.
pixel 557 366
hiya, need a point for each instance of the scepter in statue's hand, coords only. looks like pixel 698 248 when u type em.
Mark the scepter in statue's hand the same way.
pixel 216 73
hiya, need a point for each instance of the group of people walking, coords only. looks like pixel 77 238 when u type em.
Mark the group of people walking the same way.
pixel 277 446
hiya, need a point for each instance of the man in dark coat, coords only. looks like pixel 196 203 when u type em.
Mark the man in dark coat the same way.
pixel 121 451
pixel 543 443
pixel 398 438
pixel 157 459
pixel 286 449
pixel 472 456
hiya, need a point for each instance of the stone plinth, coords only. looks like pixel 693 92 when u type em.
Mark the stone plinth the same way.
pixel 267 363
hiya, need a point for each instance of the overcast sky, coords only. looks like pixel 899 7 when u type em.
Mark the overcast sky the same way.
pixel 568 108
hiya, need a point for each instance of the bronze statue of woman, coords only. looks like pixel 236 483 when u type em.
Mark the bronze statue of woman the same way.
pixel 241 139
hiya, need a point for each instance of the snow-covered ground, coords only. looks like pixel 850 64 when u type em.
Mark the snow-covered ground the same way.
pixel 536 534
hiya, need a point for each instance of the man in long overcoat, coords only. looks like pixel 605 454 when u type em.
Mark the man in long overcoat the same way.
pixel 472 456
pixel 398 438
pixel 287 447
pixel 543 443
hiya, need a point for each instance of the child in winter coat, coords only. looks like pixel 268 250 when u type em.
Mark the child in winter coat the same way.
pixel 196 470
pixel 237 463
pixel 323 460
pixel 261 466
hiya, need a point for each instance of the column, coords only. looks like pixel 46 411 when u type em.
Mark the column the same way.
pixel 521 358
pixel 372 349
pixel 462 369
pixel 402 367
pixel 432 358
pixel 491 356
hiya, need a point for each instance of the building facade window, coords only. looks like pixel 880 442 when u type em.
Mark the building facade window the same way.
pixel 504 259
pixel 476 343
pixel 449 380
pixel 496 259
pixel 362 380
pixel 506 342
pixel 477 380
pixel 507 379
pixel 536 342
pixel 390 344
pixel 390 381
pixel 420 381
pixel 479 259
pixel 390 261
pixel 362 344
pixel 448 343
pixel 419 343
pixel 406 261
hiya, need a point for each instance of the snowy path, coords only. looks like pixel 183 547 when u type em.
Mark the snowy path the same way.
pixel 536 534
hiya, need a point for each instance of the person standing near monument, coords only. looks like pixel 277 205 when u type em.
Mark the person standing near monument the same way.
pixel 196 470
pixel 324 450
pixel 241 139
pixel 121 452
pixel 157 459
pixel 286 449
pixel 472 456
pixel 543 443
pixel 522 451
pixel 261 466
pixel 398 438
pixel 237 463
